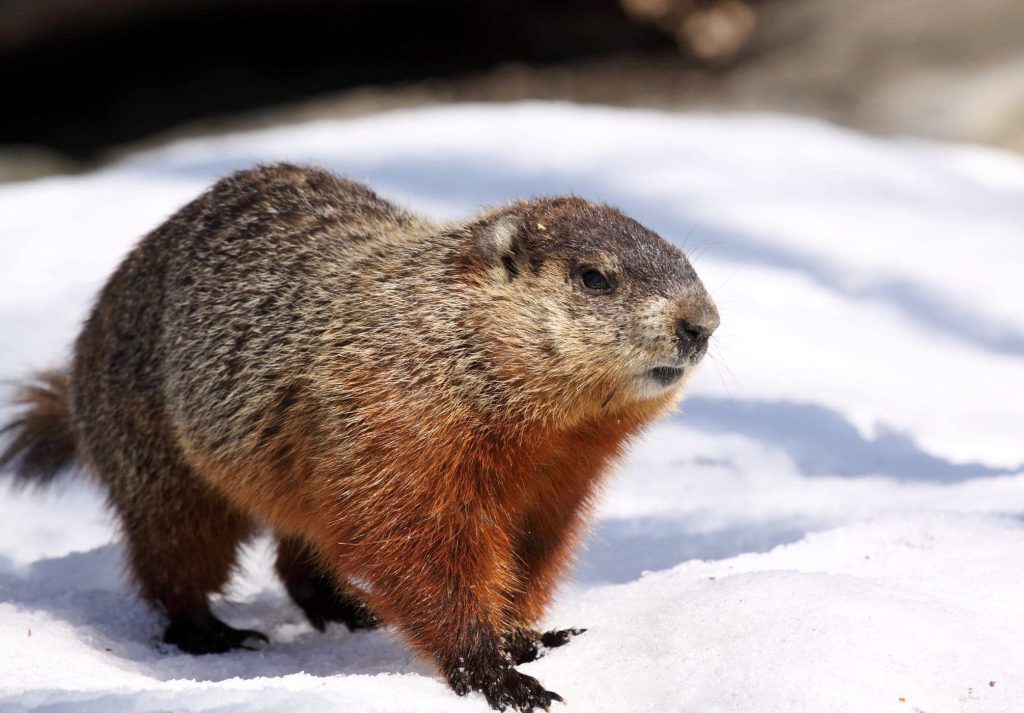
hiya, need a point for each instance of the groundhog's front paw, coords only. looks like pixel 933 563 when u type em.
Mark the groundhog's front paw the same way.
pixel 520 692
pixel 526 645
pixel 504 688
pixel 555 638
pixel 522 645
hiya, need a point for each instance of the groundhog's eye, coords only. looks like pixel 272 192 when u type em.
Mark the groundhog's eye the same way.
pixel 594 280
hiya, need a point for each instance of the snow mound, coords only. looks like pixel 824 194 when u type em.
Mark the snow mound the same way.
pixel 834 523
pixel 900 614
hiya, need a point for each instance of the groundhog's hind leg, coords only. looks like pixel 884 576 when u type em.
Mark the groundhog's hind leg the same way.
pixel 206 634
pixel 182 539
pixel 314 588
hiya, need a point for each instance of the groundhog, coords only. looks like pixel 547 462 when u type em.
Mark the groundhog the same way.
pixel 422 413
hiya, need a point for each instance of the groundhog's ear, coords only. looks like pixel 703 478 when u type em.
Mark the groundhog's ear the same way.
pixel 501 243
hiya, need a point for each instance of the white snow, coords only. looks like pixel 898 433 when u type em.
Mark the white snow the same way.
pixel 834 523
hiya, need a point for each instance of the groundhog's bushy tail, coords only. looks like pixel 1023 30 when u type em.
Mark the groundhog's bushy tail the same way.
pixel 40 441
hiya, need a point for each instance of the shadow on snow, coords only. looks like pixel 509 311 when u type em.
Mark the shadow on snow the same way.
pixel 821 442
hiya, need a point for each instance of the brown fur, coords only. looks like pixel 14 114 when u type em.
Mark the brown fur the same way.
pixel 423 413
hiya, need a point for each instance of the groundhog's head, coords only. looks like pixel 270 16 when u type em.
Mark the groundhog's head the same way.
pixel 600 309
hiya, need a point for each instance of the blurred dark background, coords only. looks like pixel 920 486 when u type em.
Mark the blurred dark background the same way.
pixel 87 79
pixel 82 76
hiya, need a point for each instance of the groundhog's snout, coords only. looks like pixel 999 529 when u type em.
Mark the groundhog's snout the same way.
pixel 695 320
pixel 695 327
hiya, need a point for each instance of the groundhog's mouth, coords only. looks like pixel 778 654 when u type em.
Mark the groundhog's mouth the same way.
pixel 665 375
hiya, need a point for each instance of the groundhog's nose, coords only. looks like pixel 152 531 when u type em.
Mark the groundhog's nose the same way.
pixel 694 330
pixel 699 325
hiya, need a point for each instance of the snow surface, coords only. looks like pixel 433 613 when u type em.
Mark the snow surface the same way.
pixel 835 522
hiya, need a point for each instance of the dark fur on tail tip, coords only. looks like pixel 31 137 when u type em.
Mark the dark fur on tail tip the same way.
pixel 40 442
